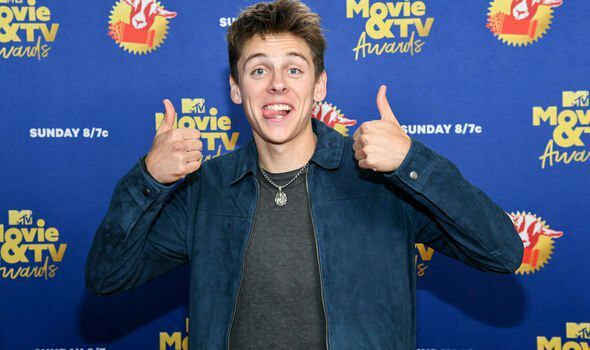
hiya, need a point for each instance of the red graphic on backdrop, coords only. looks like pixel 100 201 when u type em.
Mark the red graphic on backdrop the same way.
pixel 526 9
pixel 139 27
pixel 537 239
pixel 520 20
pixel 330 115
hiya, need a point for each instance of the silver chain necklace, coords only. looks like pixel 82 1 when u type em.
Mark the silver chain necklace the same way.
pixel 281 197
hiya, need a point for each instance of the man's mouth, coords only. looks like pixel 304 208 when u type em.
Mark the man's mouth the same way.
pixel 276 111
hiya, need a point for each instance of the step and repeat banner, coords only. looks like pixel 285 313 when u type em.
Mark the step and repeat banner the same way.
pixel 500 87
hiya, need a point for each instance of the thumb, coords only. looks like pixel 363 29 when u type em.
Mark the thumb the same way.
pixel 168 120
pixel 383 106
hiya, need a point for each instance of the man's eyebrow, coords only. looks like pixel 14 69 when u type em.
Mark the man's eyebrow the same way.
pixel 297 54
pixel 260 54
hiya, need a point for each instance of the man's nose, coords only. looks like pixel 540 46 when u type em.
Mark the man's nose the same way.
pixel 278 84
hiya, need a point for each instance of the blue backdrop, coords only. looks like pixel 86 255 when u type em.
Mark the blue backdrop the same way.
pixel 498 87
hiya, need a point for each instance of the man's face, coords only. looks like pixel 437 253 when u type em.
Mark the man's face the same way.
pixel 277 86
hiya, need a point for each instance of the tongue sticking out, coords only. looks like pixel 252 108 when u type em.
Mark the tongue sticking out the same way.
pixel 271 113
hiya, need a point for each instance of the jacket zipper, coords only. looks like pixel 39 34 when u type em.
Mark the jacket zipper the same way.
pixel 242 268
pixel 318 257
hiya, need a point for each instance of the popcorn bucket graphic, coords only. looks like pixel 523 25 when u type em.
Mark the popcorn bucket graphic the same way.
pixel 126 33
pixel 504 24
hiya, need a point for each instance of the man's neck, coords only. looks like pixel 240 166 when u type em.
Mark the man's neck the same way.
pixel 289 156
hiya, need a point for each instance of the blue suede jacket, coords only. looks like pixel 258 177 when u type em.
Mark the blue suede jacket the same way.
pixel 365 223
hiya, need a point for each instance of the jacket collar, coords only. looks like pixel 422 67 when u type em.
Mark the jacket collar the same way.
pixel 327 153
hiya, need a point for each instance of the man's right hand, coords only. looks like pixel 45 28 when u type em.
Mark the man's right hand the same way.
pixel 175 153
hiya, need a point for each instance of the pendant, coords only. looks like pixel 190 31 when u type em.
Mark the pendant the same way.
pixel 281 198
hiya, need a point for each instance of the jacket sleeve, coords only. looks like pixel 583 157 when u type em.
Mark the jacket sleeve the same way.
pixel 454 217
pixel 143 234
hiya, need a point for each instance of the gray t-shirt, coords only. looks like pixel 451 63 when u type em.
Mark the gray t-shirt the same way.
pixel 279 304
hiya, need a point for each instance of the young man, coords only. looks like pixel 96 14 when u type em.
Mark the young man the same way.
pixel 303 238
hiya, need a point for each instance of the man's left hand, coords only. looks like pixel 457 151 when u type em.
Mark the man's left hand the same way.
pixel 381 145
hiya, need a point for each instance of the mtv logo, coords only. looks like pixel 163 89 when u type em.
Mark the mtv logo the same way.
pixel 193 105
pixel 577 330
pixel 20 217
pixel 576 98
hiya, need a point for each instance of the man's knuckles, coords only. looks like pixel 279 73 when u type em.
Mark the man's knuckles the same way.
pixel 356 133
pixel 365 127
pixel 184 167
pixel 197 144
pixel 368 162
pixel 364 139
pixel 370 127
pixel 190 133
pixel 182 134
pixel 184 157
pixel 178 146
pixel 194 156
pixel 193 145
pixel 360 154
pixel 187 145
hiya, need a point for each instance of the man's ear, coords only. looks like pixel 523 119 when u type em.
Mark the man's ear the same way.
pixel 234 91
pixel 320 88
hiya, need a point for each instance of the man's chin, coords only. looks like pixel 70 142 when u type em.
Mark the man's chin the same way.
pixel 276 140
pixel 276 135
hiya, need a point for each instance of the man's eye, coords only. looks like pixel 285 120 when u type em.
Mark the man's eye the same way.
pixel 295 71
pixel 257 71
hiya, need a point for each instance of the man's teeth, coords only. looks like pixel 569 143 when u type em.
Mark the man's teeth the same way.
pixel 278 107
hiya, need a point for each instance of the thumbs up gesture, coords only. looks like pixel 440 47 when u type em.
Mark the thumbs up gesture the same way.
pixel 381 145
pixel 175 153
